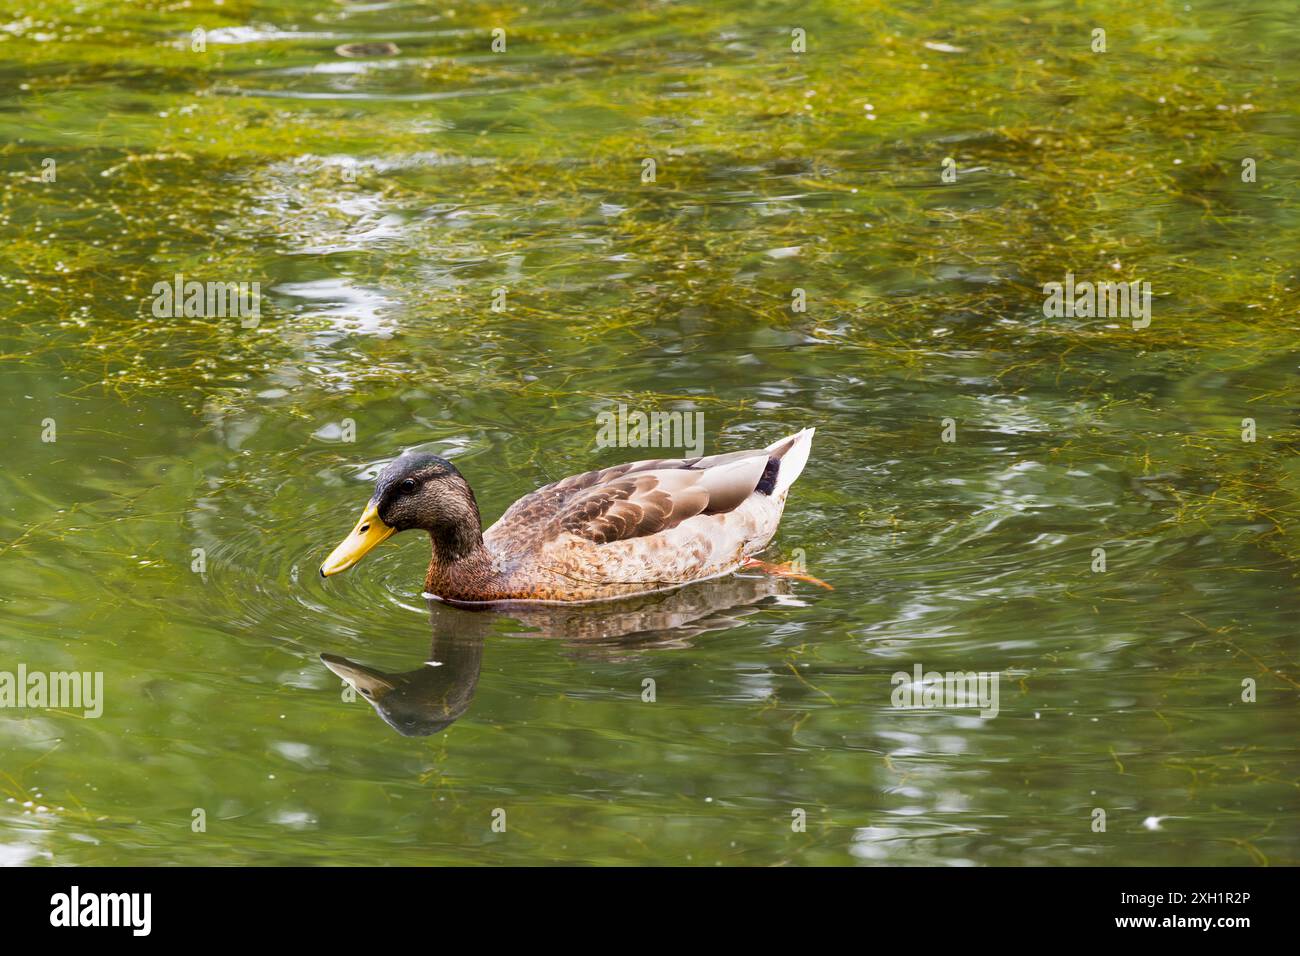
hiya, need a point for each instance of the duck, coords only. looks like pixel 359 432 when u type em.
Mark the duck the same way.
pixel 617 532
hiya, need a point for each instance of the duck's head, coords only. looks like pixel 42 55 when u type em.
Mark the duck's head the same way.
pixel 414 491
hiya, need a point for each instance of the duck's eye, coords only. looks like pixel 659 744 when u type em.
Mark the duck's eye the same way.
pixel 408 485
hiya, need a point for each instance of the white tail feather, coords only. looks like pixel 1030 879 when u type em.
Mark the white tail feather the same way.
pixel 792 462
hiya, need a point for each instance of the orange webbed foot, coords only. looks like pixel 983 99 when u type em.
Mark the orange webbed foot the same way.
pixel 786 569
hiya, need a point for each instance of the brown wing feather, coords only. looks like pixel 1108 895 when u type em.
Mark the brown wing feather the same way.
pixel 633 506
pixel 631 500
pixel 646 502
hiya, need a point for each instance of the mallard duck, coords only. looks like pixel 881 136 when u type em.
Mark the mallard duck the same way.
pixel 631 529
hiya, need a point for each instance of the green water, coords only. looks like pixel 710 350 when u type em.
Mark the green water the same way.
pixel 380 200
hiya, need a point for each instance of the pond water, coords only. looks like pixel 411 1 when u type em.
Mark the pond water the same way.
pixel 464 250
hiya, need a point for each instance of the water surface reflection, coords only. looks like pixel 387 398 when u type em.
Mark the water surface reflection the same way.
pixel 432 696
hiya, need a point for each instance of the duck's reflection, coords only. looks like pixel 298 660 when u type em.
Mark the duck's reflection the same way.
pixel 422 701
pixel 430 697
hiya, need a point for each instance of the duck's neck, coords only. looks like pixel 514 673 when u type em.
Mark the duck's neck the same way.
pixel 461 567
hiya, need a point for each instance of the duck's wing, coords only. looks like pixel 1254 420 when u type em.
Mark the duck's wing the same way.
pixel 642 498
pixel 647 502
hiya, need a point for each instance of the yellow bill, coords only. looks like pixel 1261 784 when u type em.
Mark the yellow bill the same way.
pixel 370 530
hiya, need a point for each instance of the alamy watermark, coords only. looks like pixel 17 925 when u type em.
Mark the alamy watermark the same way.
pixel 181 298
pixel 636 429
pixel 1115 300
pixel 75 908
pixel 931 690
pixel 58 690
